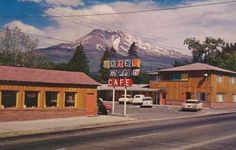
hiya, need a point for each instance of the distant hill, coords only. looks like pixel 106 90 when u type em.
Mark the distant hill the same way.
pixel 96 41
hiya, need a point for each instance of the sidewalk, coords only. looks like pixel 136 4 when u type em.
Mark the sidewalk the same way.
pixel 19 128
pixel 30 127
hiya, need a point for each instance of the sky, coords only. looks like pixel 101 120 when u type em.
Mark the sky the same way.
pixel 167 28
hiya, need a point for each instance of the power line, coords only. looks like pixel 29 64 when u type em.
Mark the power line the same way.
pixel 125 12
pixel 101 24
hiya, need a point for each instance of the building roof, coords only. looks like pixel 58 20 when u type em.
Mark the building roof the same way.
pixel 21 74
pixel 196 67
pixel 134 87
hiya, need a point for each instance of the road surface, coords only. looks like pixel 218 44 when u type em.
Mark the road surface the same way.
pixel 200 133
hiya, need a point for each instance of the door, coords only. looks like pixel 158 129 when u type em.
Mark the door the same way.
pixel 162 98
pixel 188 95
pixel 91 108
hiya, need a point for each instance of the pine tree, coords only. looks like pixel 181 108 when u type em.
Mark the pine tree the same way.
pixel 113 53
pixel 103 73
pixel 79 61
pixel 133 50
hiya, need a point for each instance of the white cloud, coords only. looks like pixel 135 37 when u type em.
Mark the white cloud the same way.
pixel 36 1
pixel 24 27
pixel 33 32
pixel 64 2
pixel 168 28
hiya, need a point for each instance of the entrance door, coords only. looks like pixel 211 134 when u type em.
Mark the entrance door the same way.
pixel 162 98
pixel 188 95
pixel 90 104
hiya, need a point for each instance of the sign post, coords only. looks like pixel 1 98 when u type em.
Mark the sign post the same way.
pixel 125 101
pixel 113 100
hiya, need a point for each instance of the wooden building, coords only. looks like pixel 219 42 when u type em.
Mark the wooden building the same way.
pixel 214 86
pixel 26 88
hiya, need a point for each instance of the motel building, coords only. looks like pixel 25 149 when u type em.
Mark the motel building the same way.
pixel 26 88
pixel 214 86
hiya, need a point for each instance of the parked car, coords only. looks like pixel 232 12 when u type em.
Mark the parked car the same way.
pixel 192 104
pixel 147 102
pixel 103 107
pixel 138 99
pixel 129 99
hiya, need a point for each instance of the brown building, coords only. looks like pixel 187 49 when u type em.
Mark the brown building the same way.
pixel 214 86
pixel 26 88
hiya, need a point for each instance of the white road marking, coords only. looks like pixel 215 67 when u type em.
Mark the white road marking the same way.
pixel 205 143
pixel 142 136
pixel 64 148
pixel 206 125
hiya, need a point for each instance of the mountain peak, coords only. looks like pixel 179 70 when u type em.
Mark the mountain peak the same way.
pixel 96 42
pixel 101 39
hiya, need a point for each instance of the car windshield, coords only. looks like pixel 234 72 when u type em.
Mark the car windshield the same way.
pixel 194 102
pixel 147 99
pixel 128 96
pixel 137 96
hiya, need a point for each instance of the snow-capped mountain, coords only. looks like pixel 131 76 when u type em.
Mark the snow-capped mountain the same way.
pixel 97 41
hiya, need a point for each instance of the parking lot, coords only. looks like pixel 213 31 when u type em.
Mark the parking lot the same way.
pixel 158 111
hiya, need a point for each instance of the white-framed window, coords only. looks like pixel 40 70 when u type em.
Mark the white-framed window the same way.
pixel 202 96
pixel 219 78
pixel 220 97
pixel 232 80
pixel 234 97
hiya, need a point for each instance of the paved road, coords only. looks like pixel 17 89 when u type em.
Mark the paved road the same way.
pixel 156 112
pixel 201 133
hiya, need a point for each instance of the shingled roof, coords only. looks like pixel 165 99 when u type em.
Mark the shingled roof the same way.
pixel 196 67
pixel 21 74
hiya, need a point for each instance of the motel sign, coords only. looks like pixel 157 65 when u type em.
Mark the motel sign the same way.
pixel 122 68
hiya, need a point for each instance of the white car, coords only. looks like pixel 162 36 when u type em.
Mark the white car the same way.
pixel 129 99
pixel 138 99
pixel 192 104
pixel 147 102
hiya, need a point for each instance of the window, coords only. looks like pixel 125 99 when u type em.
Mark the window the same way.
pixel 184 77
pixel 220 97
pixel 232 80
pixel 51 99
pixel 234 98
pixel 219 78
pixel 31 99
pixel 9 99
pixel 70 99
pixel 175 77
pixel 202 96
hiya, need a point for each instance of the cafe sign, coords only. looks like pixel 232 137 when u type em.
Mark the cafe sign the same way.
pixel 127 82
